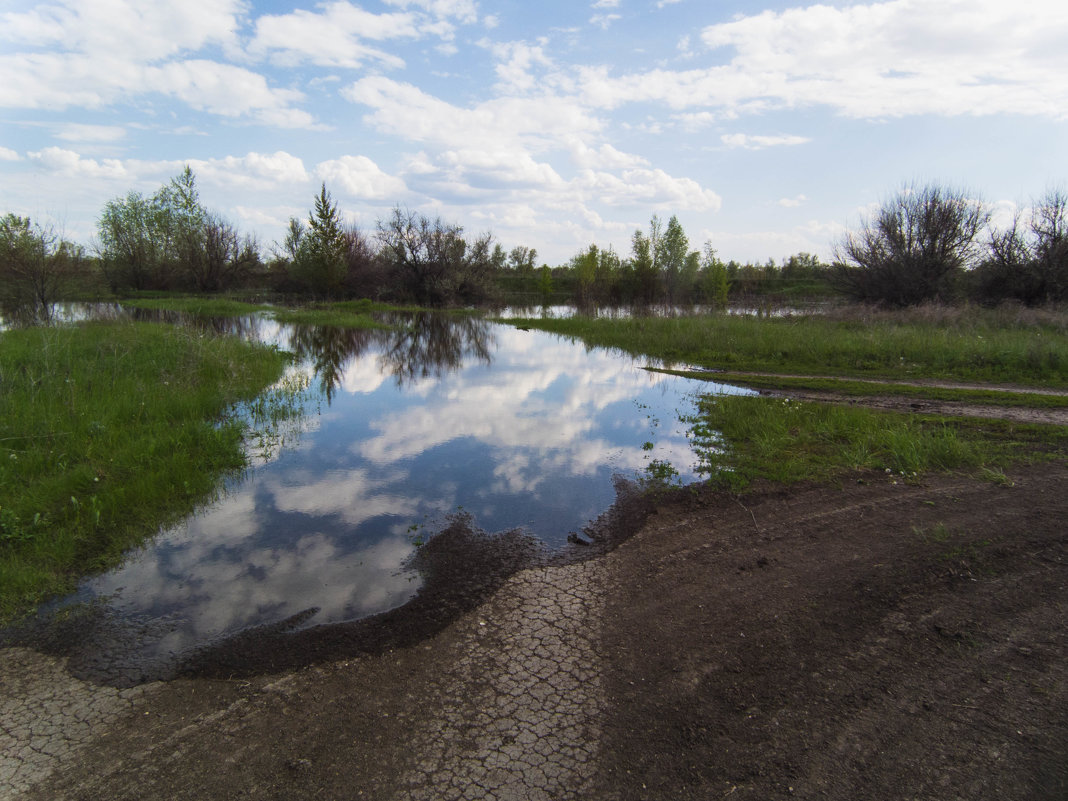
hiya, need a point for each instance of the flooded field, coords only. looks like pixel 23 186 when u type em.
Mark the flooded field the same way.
pixel 401 431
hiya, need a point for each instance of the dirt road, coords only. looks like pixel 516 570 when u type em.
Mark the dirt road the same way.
pixel 873 639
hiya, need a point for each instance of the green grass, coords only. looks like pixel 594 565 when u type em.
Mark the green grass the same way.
pixel 198 306
pixel 979 397
pixel 972 346
pixel 107 431
pixel 743 438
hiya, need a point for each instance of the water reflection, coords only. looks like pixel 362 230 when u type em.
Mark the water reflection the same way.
pixel 417 346
pixel 516 428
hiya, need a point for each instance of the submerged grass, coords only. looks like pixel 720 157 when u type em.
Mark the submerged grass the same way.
pixel 107 431
pixel 979 346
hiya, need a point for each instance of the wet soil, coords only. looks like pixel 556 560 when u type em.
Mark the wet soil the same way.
pixel 868 639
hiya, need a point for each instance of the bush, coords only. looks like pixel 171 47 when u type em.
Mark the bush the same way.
pixel 35 267
pixel 1029 264
pixel 916 248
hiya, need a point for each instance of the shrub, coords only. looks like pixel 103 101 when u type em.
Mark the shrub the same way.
pixel 914 249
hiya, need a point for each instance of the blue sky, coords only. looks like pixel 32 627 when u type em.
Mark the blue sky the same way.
pixel 768 128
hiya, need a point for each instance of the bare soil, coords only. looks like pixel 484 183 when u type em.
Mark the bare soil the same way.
pixel 870 639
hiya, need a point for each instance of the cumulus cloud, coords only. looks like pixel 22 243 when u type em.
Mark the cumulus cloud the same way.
pixel 792 202
pixel 69 163
pixel 360 177
pixel 100 52
pixel 900 57
pixel 7 154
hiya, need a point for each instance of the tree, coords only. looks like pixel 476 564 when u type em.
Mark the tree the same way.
pixel 914 249
pixel 319 264
pixel 1029 263
pixel 431 261
pixel 35 265
pixel 643 266
pixel 671 250
pixel 134 243
pixel 585 266
pixel 170 238
pixel 714 283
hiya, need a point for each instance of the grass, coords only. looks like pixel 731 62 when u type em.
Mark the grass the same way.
pixel 867 388
pixel 740 439
pixel 973 346
pixel 108 431
pixel 198 306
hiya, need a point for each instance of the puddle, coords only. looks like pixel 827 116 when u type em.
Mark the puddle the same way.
pixel 402 431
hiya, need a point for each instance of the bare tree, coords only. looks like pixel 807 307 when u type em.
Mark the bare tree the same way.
pixel 1028 262
pixel 914 249
pixel 432 261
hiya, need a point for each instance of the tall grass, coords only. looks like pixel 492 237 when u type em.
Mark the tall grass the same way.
pixel 974 345
pixel 108 430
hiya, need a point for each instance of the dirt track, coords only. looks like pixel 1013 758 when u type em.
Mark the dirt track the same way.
pixel 868 640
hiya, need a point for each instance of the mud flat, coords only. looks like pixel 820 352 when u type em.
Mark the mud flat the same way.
pixel 867 639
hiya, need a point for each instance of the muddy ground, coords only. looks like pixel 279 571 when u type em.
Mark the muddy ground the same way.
pixel 872 639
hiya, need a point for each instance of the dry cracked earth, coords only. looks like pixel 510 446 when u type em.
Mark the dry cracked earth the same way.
pixel 871 639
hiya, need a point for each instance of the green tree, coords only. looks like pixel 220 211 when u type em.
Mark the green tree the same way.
pixel 35 266
pixel 170 238
pixel 671 252
pixel 714 281
pixel 644 267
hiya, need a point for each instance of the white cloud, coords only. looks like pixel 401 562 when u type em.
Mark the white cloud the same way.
pixel 332 37
pixel 253 170
pixel 7 154
pixel 69 163
pixel 107 51
pixel 759 142
pixel 899 58
pixel 360 177
pixel 77 132
pixel 792 202
pixel 604 21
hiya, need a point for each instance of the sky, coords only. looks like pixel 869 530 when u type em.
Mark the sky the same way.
pixel 768 128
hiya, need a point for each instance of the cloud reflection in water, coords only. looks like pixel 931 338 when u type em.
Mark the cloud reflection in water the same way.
pixel 518 428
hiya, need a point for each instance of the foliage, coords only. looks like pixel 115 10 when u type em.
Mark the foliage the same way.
pixel 35 267
pixel 108 430
pixel 319 264
pixel 1029 263
pixel 170 240
pixel 915 248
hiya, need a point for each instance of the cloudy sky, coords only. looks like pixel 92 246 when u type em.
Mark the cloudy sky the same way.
pixel 767 127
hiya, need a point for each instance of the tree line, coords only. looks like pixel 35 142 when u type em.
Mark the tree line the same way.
pixel 924 244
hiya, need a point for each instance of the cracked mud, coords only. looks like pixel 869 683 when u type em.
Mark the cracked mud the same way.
pixel 868 640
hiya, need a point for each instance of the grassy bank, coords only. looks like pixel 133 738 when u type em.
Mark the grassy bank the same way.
pixel 970 345
pixel 108 430
pixel 740 439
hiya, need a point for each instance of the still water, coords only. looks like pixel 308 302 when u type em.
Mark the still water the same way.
pixel 400 429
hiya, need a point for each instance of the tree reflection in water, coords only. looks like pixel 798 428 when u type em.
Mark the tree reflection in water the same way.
pixel 423 345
